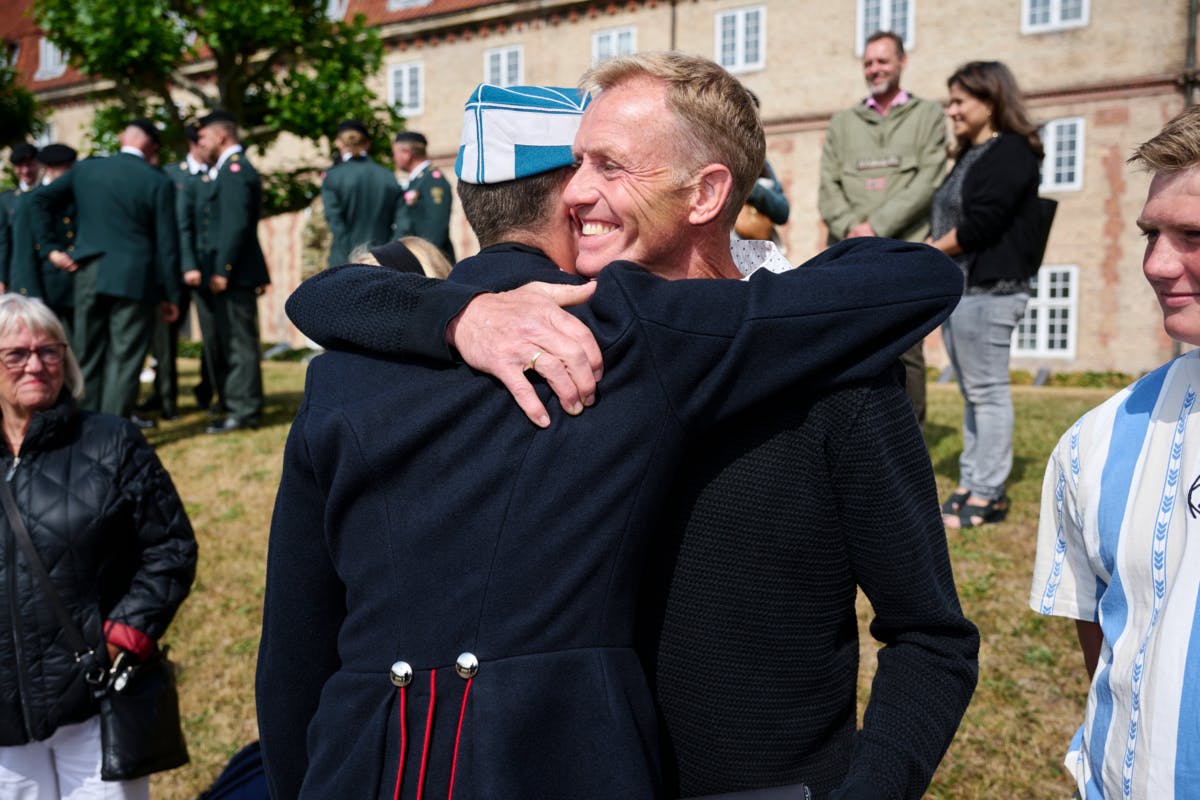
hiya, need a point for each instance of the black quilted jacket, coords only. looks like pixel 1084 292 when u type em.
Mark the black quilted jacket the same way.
pixel 110 529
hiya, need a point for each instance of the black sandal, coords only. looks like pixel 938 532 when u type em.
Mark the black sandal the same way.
pixel 954 502
pixel 995 511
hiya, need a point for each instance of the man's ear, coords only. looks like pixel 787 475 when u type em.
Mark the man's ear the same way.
pixel 713 186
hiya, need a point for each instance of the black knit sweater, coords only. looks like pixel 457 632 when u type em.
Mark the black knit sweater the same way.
pixel 751 634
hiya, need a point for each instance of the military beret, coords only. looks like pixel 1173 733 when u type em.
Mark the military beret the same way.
pixel 214 116
pixel 147 127
pixel 353 125
pixel 517 131
pixel 55 155
pixel 191 132
pixel 22 152
pixel 411 136
pixel 398 257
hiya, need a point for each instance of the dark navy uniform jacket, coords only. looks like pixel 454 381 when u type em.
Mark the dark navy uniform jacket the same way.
pixel 461 527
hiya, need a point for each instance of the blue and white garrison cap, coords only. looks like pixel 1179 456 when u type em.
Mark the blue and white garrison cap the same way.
pixel 512 132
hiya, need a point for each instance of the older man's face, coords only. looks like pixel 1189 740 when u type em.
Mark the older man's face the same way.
pixel 626 196
pixel 1170 221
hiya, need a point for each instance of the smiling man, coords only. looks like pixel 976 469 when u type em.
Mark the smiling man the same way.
pixel 771 514
pixel 882 159
pixel 1117 543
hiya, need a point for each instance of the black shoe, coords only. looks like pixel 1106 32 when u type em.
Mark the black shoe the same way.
pixel 203 397
pixel 152 403
pixel 232 424
pixel 142 422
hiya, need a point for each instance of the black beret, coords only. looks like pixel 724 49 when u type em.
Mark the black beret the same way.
pixel 22 152
pixel 147 127
pixel 353 125
pixel 398 257
pixel 216 115
pixel 191 132
pixel 55 155
pixel 411 136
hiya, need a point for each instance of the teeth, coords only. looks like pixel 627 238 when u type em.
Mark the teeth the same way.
pixel 596 228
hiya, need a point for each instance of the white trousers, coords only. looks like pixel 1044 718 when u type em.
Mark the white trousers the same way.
pixel 64 767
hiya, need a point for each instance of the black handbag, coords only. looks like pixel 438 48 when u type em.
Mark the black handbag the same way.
pixel 140 732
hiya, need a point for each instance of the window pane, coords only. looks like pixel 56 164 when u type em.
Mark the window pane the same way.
pixel 898 24
pixel 1064 153
pixel 752 34
pixel 513 76
pixel 625 43
pixel 728 40
pixel 1072 11
pixel 1039 12
pixel 871 13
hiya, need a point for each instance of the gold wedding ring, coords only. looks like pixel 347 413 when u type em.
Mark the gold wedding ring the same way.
pixel 533 361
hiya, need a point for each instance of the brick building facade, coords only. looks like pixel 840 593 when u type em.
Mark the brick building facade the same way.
pixel 1099 76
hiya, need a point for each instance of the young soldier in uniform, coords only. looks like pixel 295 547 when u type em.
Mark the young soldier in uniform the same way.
pixel 359 195
pixel 424 209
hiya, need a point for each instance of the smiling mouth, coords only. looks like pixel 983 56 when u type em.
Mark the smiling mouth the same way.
pixel 596 228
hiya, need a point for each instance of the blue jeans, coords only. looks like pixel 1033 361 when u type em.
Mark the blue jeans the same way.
pixel 978 336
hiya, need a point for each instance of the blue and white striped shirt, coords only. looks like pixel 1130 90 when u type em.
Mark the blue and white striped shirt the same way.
pixel 1119 544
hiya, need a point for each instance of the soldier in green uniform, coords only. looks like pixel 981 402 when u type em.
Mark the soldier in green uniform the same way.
pixel 231 272
pixel 165 341
pixel 425 208
pixel 359 195
pixel 23 158
pixel 125 259
pixel 31 273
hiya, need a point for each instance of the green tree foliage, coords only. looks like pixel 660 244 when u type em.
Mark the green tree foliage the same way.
pixel 278 66
pixel 18 108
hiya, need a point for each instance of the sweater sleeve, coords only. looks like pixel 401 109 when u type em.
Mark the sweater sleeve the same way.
pixel 832 201
pixel 995 188
pixel 928 665
pixel 303 610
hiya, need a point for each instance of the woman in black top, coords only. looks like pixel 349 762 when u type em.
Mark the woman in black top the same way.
pixel 985 218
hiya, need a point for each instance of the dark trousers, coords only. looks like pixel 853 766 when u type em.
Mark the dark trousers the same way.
pixel 229 325
pixel 110 339
pixel 914 379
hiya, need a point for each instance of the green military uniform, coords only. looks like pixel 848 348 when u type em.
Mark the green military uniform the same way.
pixel 360 198
pixel 127 249
pixel 8 207
pixel 31 273
pixel 227 244
pixel 425 209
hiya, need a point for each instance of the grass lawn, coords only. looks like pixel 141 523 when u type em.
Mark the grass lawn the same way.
pixel 1031 688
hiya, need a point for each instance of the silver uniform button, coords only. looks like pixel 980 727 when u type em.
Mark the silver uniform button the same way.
pixel 401 674
pixel 467 665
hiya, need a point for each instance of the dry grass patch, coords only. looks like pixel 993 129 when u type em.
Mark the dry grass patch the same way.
pixel 1031 690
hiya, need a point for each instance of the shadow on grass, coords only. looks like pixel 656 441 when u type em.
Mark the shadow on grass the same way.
pixel 279 409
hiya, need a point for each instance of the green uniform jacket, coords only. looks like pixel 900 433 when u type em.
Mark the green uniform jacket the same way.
pixel 126 224
pixel 8 206
pixel 188 187
pixel 31 273
pixel 360 198
pixel 230 206
pixel 425 210
pixel 882 169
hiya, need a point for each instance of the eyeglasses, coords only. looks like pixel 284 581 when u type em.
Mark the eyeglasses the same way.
pixel 49 354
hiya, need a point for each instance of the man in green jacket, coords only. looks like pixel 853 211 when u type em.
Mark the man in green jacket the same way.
pixel 359 195
pixel 125 259
pixel 31 274
pixel 23 158
pixel 883 158
pixel 424 209
pixel 231 272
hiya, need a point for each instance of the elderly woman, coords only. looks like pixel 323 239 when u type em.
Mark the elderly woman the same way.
pixel 985 217
pixel 113 536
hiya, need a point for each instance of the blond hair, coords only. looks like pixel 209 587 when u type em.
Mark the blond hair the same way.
pixel 716 118
pixel 1175 148
pixel 433 262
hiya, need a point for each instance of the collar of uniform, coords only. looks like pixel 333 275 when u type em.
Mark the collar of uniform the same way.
pixel 507 265
pixel 418 169
pixel 751 255
pixel 226 154
pixel 133 151
pixel 195 167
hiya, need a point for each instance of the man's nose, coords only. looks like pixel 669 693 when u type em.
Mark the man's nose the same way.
pixel 579 190
pixel 1161 261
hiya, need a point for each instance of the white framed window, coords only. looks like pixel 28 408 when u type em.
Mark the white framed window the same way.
pixel 1039 16
pixel 1062 166
pixel 9 54
pixel 335 10
pixel 1048 328
pixel 741 38
pixel 893 16
pixel 613 42
pixel 52 62
pixel 503 66
pixel 400 5
pixel 406 87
